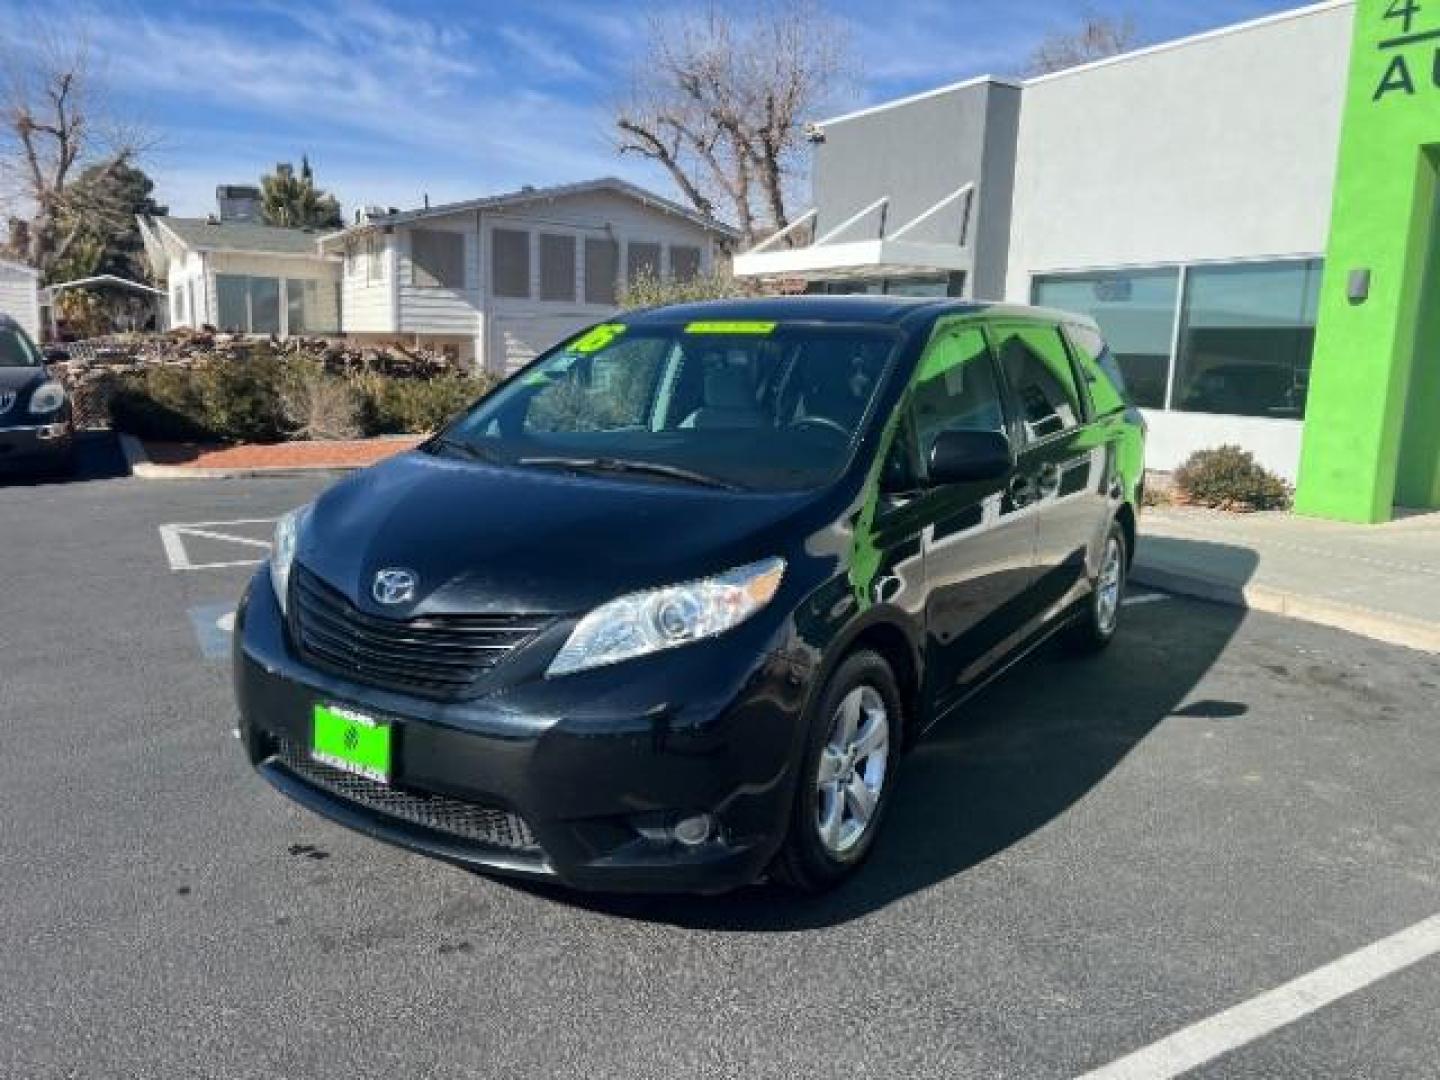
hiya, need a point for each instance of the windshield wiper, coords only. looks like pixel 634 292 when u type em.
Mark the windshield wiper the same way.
pixel 465 449
pixel 622 465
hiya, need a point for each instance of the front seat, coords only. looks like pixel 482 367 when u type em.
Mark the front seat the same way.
pixel 729 401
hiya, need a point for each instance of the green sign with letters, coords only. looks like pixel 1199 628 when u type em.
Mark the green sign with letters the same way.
pixel 1372 423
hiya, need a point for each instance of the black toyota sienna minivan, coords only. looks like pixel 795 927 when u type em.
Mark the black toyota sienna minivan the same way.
pixel 663 610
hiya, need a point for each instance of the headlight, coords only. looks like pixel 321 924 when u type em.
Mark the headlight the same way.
pixel 649 622
pixel 282 553
pixel 47 398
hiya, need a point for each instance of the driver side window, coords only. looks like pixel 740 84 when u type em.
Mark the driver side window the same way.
pixel 955 390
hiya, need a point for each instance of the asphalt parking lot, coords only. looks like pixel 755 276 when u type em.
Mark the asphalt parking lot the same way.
pixel 1097 855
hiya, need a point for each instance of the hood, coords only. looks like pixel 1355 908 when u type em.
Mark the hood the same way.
pixel 488 540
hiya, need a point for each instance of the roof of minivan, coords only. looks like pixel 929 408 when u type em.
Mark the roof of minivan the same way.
pixel 889 310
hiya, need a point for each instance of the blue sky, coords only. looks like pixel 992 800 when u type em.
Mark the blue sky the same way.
pixel 394 101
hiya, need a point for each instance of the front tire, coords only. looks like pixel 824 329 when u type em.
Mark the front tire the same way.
pixel 1101 618
pixel 846 775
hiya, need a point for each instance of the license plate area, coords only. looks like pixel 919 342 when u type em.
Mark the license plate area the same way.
pixel 352 742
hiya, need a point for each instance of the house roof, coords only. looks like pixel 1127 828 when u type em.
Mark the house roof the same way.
pixel 203 234
pixel 611 184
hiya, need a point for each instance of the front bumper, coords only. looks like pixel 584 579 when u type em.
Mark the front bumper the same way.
pixel 573 779
pixel 23 446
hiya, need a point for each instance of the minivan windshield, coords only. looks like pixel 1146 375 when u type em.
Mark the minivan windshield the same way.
pixel 16 350
pixel 753 406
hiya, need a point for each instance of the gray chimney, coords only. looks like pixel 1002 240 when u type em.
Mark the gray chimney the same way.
pixel 238 202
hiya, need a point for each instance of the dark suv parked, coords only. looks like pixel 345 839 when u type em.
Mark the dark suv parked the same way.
pixel 662 611
pixel 36 430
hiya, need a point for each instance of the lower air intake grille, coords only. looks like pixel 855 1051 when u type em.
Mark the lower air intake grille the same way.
pixel 489 825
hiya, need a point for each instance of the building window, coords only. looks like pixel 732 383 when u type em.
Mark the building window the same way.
pixel 510 263
pixel 642 260
pixel 374 260
pixel 602 268
pixel 1246 339
pixel 310 307
pixel 437 259
pixel 1136 312
pixel 557 268
pixel 248 305
pixel 684 263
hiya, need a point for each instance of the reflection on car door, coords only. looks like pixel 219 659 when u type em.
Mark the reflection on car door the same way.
pixel 979 546
pixel 1063 464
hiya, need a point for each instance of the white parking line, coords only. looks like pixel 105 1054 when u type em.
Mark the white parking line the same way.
pixel 1207 1040
pixel 172 538
pixel 1145 598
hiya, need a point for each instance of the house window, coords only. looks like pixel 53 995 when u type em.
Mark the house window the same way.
pixel 642 260
pixel 374 260
pixel 248 305
pixel 437 259
pixel 1135 310
pixel 510 263
pixel 1246 339
pixel 602 267
pixel 557 267
pixel 684 263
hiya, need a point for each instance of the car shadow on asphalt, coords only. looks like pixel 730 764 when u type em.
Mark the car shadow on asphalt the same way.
pixel 97 457
pixel 1016 758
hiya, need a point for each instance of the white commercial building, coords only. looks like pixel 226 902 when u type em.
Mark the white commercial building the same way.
pixel 1181 195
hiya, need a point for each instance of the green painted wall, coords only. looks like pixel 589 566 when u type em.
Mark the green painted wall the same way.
pixel 1374 405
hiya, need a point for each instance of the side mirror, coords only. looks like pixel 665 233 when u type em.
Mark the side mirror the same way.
pixel 963 457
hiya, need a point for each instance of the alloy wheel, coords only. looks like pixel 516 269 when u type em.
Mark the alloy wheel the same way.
pixel 853 770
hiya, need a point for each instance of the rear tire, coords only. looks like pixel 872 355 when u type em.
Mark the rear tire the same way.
pixel 1096 627
pixel 846 775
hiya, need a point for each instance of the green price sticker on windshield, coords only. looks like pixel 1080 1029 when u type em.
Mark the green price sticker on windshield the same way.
pixel 734 327
pixel 596 339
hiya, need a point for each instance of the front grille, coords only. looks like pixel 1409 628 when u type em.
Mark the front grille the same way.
pixel 435 656
pixel 488 825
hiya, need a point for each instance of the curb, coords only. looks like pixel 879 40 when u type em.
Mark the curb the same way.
pixel 1366 622
pixel 141 466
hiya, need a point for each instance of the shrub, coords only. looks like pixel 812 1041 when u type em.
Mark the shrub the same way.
pixel 649 291
pixel 392 406
pixel 268 398
pixel 1229 478
pixel 318 405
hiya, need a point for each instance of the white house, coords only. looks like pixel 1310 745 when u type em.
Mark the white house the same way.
pixel 501 279
pixel 496 280
pixel 240 276
pixel 20 296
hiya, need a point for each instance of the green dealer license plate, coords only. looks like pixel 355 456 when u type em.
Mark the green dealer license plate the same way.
pixel 351 742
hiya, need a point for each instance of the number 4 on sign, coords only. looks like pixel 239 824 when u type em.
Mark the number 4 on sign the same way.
pixel 1403 9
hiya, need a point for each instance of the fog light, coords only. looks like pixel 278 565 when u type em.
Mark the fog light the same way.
pixel 694 831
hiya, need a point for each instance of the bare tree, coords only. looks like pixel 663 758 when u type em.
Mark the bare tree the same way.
pixel 719 100
pixel 1097 37
pixel 53 133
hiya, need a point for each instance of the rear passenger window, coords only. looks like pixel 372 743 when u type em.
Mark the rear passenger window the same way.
pixel 955 390
pixel 1108 392
pixel 1037 367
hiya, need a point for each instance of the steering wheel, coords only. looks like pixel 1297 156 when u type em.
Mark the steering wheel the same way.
pixel 825 422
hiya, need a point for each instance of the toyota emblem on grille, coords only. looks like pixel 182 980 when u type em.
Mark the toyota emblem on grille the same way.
pixel 7 398
pixel 394 586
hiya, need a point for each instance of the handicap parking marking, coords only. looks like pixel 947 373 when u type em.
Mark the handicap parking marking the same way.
pixel 216 545
pixel 214 625
pixel 1203 1042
